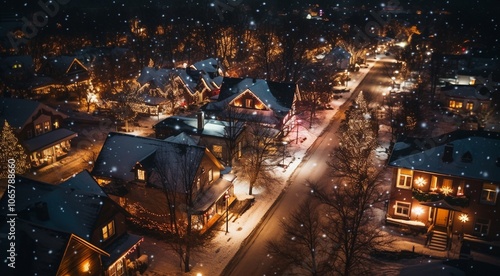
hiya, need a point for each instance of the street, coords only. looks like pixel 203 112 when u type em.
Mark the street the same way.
pixel 253 257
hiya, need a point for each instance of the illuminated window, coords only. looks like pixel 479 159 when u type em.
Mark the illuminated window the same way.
pixel 210 175
pixel 38 129
pixel 141 174
pixel 402 208
pixel 456 104
pixel 460 188
pixel 46 126
pixel 56 124
pixel 217 150
pixel 481 227
pixel 404 178
pixel 447 187
pixel 434 181
pixel 489 194
pixel 108 230
pixel 249 103
pixel 469 106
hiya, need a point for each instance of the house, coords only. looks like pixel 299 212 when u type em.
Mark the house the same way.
pixel 38 128
pixel 192 84
pixel 338 58
pixel 258 100
pixel 17 72
pixel 60 74
pixel 69 229
pixel 447 185
pixel 466 98
pixel 138 172
pixel 223 138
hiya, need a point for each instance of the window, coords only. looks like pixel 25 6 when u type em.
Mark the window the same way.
pixel 141 174
pixel 481 227
pixel 29 133
pixel 460 188
pixel 456 104
pixel 489 194
pixel 56 124
pixel 469 106
pixel 249 103
pixel 447 187
pixel 210 175
pixel 46 126
pixel 38 129
pixel 404 178
pixel 434 183
pixel 217 150
pixel 402 208
pixel 108 230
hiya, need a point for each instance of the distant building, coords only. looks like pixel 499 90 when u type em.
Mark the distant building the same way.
pixel 447 185
pixel 38 128
pixel 465 99
pixel 69 229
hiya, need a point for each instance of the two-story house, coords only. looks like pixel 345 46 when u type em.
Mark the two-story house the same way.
pixel 38 128
pixel 223 138
pixel 466 98
pixel 145 175
pixel 258 100
pixel 447 184
pixel 69 229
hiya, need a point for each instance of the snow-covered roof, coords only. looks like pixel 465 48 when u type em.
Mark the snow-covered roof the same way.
pixel 158 78
pixel 209 65
pixel 475 154
pixel 121 152
pixel 182 138
pixel 18 112
pixel 465 92
pixel 72 207
pixel 49 139
pixel 277 96
pixel 189 125
pixel 338 53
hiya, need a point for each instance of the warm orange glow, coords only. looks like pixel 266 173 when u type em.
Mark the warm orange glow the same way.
pixel 86 266
pixel 418 211
pixel 420 181
pixel 463 218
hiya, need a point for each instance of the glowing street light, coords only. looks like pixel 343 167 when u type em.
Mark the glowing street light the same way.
pixel 463 218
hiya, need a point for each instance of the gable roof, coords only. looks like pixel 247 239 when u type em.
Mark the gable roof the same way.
pixel 465 92
pixel 72 207
pixel 158 78
pixel 18 112
pixel 209 65
pixel 475 154
pixel 121 152
pixel 277 96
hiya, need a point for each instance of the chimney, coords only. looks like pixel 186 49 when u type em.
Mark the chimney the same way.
pixel 201 120
pixel 254 80
pixel 448 153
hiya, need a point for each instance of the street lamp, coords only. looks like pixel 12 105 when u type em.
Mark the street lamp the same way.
pixel 297 139
pixel 226 197
pixel 284 150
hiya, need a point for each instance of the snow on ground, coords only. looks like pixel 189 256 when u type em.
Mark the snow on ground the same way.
pixel 213 258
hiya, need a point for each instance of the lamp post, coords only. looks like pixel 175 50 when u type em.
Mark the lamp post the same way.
pixel 226 197
pixel 297 138
pixel 284 151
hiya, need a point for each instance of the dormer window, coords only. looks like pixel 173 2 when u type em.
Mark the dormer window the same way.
pixel 467 157
pixel 108 230
pixel 141 174
pixel 249 103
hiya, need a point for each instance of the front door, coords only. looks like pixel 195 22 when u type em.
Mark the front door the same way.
pixel 442 217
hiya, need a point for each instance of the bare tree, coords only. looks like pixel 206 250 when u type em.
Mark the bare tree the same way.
pixel 260 153
pixel 179 178
pixel 355 191
pixel 303 245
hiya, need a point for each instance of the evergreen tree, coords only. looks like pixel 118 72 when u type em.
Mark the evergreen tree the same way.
pixel 10 148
